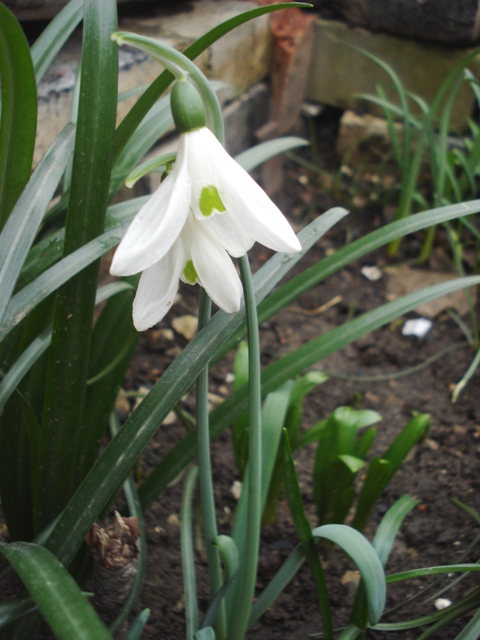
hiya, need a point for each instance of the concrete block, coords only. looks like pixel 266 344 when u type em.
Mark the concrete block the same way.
pixel 338 72
pixel 240 59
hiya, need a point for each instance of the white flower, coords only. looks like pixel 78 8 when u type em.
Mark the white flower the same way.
pixel 207 206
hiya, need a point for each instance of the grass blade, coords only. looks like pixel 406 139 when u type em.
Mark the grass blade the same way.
pixel 60 454
pixel 18 112
pixel 303 528
pixel 52 39
pixel 188 559
pixel 55 592
pixel 367 561
pixel 20 229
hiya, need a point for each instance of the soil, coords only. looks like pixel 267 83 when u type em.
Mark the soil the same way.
pixel 442 467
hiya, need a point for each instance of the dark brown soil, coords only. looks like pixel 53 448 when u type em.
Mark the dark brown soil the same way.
pixel 442 467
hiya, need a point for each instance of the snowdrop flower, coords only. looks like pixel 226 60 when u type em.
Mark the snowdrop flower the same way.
pixel 206 209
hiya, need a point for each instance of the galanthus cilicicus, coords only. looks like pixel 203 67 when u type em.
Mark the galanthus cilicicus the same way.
pixel 207 208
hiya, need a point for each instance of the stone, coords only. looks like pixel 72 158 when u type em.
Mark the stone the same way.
pixel 405 280
pixel 365 138
pixel 338 73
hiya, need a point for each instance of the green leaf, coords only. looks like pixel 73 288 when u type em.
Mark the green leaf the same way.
pixel 278 583
pixel 18 112
pixel 23 364
pixel 425 572
pixel 64 607
pixel 205 634
pixel 138 625
pixel 379 474
pixel 229 553
pixel 54 36
pixel 350 633
pixel 388 528
pixel 472 630
pixel 188 558
pixel 19 231
pixel 262 152
pixel 406 440
pixel 302 526
pixel 14 609
pixel 64 426
pixel 367 561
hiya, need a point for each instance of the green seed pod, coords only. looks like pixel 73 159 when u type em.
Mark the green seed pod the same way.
pixel 187 107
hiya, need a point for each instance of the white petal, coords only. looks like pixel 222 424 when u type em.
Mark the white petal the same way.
pixel 227 231
pixel 215 269
pixel 157 288
pixel 210 165
pixel 158 223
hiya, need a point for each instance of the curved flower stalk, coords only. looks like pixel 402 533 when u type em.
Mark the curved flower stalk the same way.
pixel 207 209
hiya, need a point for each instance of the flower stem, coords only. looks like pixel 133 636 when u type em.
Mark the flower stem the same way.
pixel 248 572
pixel 205 475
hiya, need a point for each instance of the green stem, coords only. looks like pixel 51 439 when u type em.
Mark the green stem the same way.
pixel 205 474
pixel 248 573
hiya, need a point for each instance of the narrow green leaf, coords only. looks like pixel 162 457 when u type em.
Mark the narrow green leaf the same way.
pixel 350 633
pixel 19 231
pixel 367 561
pixel 64 426
pixel 388 528
pixel 229 553
pixel 472 630
pixel 205 634
pixel 406 440
pixel 302 526
pixel 23 364
pixel 14 609
pixel 138 625
pixel 288 292
pixel 379 474
pixel 262 152
pixel 277 584
pixel 56 594
pixel 54 36
pixel 188 559
pixel 431 571
pixel 18 112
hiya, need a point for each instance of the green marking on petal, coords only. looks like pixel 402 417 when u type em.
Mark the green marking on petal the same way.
pixel 189 272
pixel 210 200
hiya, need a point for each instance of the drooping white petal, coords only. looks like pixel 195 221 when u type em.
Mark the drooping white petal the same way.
pixel 227 231
pixel 215 269
pixel 245 201
pixel 158 223
pixel 157 288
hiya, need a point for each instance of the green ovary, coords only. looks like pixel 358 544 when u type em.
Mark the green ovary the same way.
pixel 210 200
pixel 190 273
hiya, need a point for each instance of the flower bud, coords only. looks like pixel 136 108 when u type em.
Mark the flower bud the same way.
pixel 187 107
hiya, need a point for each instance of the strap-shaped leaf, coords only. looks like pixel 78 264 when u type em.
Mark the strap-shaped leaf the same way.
pixel 20 229
pixel 52 39
pixel 388 528
pixel 229 553
pixel 18 112
pixel 138 625
pixel 304 532
pixel 367 561
pixel 62 604
pixel 64 434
